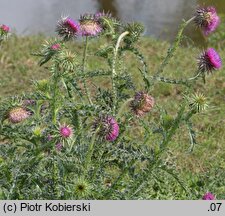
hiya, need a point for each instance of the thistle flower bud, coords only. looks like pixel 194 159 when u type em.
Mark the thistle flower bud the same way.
pixel 209 60
pixel 207 19
pixel 208 196
pixel 198 102
pixel 108 128
pixel 142 103
pixel 82 188
pixel 59 147
pixel 18 114
pixel 55 47
pixel 66 131
pixel 67 28
pixel 90 26
pixel 135 31
pixel 67 60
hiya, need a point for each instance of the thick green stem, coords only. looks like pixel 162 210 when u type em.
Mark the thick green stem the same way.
pixel 90 151
pixel 87 92
pixel 114 74
pixel 54 98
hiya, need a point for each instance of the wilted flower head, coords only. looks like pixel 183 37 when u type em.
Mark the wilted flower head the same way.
pixel 198 102
pixel 207 19
pixel 18 114
pixel 90 25
pixel 65 131
pixel 142 103
pixel 108 128
pixel 209 60
pixel 67 28
pixel 208 196
pixel 59 147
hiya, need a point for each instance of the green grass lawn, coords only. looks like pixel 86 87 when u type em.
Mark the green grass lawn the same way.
pixel 205 167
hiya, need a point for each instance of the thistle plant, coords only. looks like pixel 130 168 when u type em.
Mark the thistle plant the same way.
pixel 74 139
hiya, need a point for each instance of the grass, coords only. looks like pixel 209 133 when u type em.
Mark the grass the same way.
pixel 205 167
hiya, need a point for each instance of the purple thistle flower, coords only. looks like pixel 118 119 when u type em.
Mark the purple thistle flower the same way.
pixel 67 28
pixel 18 114
pixel 59 147
pixel 208 196
pixel 66 131
pixel 108 128
pixel 207 19
pixel 89 25
pixel 142 103
pixel 209 60
pixel 4 28
pixel 55 47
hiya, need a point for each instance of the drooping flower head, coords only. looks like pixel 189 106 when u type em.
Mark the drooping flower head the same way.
pixel 142 103
pixel 207 19
pixel 67 28
pixel 18 114
pixel 208 196
pixel 209 60
pixel 65 131
pixel 90 25
pixel 108 128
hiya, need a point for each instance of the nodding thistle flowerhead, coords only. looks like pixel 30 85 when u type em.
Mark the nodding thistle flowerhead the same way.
pixel 65 131
pixel 142 103
pixel 18 114
pixel 198 102
pixel 108 128
pixel 209 60
pixel 90 25
pixel 82 188
pixel 68 28
pixel 208 196
pixel 207 19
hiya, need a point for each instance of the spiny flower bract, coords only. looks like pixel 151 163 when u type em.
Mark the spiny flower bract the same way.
pixel 198 102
